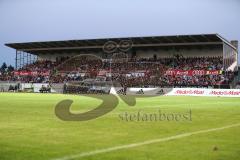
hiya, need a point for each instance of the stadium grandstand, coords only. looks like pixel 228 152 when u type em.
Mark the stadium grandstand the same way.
pixel 92 66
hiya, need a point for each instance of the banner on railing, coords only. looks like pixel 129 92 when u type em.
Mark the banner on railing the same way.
pixel 174 72
pixel 31 73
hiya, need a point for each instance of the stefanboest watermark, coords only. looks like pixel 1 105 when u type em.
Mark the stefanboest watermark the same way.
pixel 157 116
pixel 118 52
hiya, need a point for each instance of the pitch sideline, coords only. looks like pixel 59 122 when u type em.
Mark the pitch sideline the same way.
pixel 86 154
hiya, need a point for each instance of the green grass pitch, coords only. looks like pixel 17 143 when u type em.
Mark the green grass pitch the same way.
pixel 29 129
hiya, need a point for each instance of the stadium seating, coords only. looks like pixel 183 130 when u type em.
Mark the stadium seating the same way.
pixel 166 72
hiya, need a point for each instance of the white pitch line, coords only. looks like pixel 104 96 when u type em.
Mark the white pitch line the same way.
pixel 86 154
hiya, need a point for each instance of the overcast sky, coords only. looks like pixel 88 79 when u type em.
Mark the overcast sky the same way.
pixel 44 20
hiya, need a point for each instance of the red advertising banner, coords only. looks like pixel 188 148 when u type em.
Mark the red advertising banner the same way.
pixel 31 73
pixel 192 72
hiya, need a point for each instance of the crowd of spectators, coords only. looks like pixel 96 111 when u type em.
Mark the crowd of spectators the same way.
pixel 155 72
pixel 37 72
pixel 132 73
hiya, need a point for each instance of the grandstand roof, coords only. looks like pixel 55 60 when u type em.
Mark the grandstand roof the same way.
pixel 177 40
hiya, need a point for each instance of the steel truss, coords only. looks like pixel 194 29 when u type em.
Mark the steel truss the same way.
pixel 24 58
